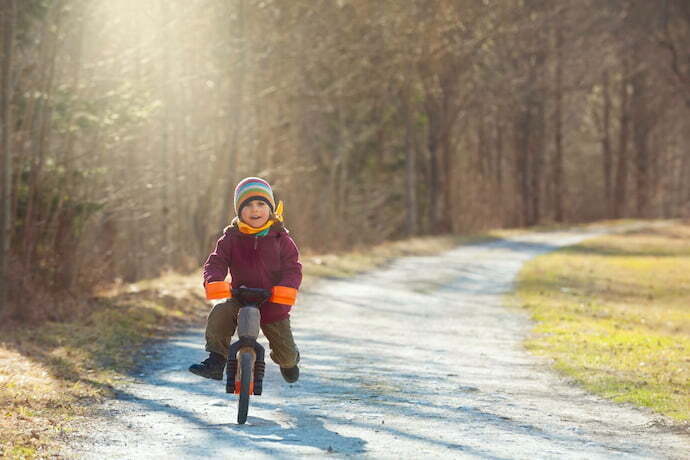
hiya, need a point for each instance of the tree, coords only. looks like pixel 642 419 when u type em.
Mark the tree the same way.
pixel 9 9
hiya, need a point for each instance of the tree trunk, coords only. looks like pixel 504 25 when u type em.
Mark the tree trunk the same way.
pixel 640 141
pixel 410 168
pixel 166 199
pixel 522 164
pixel 537 153
pixel 498 166
pixel 42 133
pixel 443 210
pixel 434 180
pixel 557 166
pixel 8 25
pixel 622 166
pixel 684 187
pixel 607 154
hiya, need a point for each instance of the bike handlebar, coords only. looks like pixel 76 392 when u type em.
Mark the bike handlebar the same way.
pixel 251 296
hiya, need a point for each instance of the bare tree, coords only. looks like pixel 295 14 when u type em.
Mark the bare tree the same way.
pixel 8 26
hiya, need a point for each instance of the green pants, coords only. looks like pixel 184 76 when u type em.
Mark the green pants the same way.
pixel 221 325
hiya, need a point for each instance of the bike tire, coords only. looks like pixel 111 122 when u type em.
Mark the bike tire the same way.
pixel 245 379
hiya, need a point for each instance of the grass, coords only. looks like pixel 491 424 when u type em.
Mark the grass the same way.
pixel 53 374
pixel 614 314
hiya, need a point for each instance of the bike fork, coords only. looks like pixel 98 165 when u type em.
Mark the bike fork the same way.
pixel 233 371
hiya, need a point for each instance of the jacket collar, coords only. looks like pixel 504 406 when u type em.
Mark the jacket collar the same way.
pixel 275 229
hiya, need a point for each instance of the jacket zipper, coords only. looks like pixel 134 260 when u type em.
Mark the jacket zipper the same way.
pixel 256 239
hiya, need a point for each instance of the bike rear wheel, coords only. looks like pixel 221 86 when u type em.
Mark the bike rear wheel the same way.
pixel 245 380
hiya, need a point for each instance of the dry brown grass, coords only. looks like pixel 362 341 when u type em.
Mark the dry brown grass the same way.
pixel 50 374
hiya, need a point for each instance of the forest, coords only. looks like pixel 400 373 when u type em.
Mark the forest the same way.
pixel 125 125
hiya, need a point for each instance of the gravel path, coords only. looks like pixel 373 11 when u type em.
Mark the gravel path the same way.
pixel 418 360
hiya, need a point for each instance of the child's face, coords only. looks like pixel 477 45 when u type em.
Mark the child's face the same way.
pixel 255 213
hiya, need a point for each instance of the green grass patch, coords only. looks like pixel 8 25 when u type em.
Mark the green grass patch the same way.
pixel 614 313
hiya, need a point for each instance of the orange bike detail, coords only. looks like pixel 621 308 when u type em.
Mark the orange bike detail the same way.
pixel 238 387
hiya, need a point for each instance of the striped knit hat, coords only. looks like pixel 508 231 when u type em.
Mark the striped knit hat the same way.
pixel 253 188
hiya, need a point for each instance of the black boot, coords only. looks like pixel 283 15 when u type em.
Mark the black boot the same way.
pixel 211 368
pixel 290 374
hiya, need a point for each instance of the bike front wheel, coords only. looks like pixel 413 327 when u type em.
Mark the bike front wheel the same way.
pixel 245 380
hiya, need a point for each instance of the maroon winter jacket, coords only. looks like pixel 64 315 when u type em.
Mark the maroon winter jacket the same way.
pixel 257 262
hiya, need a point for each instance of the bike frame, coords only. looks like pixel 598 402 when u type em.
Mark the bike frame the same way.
pixel 246 358
pixel 246 355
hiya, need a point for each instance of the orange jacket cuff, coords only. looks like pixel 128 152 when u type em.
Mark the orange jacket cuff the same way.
pixel 218 290
pixel 283 295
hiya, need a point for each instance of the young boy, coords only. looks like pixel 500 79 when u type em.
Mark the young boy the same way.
pixel 259 253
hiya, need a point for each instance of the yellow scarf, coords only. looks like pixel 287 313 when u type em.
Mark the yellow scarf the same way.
pixel 249 230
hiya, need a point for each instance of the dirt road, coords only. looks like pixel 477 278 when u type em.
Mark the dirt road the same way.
pixel 418 360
